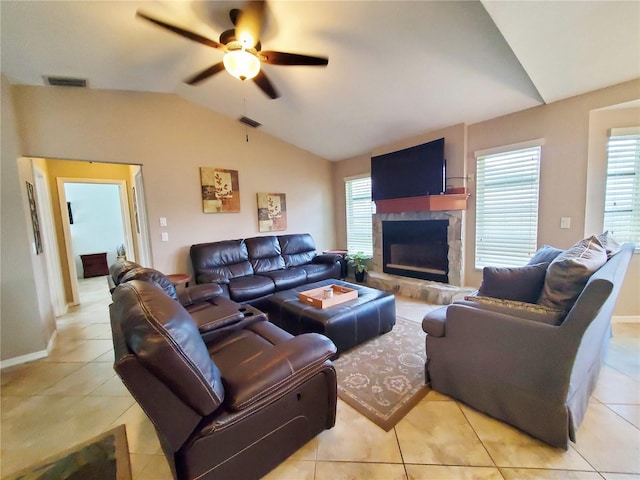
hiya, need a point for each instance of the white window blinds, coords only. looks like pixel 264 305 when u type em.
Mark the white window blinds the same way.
pixel 359 229
pixel 622 194
pixel 507 207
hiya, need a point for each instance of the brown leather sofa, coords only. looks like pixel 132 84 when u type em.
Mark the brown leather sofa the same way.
pixel 253 268
pixel 227 403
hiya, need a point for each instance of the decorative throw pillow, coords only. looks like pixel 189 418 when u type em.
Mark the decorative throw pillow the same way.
pixel 545 254
pixel 538 313
pixel 569 272
pixel 522 284
pixel 611 246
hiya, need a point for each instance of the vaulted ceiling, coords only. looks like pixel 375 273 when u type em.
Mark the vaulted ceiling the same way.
pixel 396 69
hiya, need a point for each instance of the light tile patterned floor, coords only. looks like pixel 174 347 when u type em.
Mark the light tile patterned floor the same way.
pixel 72 395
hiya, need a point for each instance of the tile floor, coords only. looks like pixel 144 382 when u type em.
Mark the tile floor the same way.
pixel 72 395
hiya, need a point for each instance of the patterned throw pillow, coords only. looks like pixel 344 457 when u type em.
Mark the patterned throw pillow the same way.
pixel 538 312
pixel 611 246
pixel 569 272
pixel 522 284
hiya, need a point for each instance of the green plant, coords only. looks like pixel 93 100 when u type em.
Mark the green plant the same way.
pixel 121 251
pixel 359 261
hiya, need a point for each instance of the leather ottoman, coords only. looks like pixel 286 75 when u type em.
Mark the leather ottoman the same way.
pixel 347 324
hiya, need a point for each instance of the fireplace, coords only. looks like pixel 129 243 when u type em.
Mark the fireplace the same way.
pixel 416 248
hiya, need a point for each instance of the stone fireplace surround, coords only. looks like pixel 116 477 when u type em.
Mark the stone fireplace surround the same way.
pixel 432 292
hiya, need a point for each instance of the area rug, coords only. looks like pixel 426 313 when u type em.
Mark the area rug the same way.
pixel 384 378
pixel 105 457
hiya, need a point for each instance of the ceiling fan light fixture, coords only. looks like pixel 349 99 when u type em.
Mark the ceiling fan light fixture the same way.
pixel 241 63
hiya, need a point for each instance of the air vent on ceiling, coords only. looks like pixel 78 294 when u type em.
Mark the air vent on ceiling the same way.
pixel 65 81
pixel 249 121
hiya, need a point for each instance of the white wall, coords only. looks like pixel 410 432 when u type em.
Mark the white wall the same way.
pixel 97 220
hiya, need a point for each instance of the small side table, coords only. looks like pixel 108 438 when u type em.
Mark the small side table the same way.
pixel 179 279
pixel 344 267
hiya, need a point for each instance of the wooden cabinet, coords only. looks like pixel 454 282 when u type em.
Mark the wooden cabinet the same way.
pixel 94 264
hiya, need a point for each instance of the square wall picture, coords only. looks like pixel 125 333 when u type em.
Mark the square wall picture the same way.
pixel 220 190
pixel 272 212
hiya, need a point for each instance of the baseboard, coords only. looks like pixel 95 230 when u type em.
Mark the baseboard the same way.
pixel 625 319
pixel 30 357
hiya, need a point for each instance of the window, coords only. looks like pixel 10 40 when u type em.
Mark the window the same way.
pixel 622 194
pixel 507 206
pixel 359 229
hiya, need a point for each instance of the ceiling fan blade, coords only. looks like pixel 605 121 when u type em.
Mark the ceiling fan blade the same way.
pixel 265 85
pixel 282 58
pixel 206 73
pixel 249 23
pixel 181 31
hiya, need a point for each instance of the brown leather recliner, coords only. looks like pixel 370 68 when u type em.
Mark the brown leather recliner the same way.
pixel 232 403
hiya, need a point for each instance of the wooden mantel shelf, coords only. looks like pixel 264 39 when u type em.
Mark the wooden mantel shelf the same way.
pixel 447 201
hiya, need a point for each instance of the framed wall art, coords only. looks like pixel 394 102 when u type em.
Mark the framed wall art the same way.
pixel 34 219
pixel 272 212
pixel 220 190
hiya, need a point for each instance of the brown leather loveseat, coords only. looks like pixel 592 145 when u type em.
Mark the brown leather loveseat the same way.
pixel 228 402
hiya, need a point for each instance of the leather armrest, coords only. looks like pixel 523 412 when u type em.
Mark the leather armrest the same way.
pixel 285 364
pixel 199 293
pixel 212 278
pixel 328 258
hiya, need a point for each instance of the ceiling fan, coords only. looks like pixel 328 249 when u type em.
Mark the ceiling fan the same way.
pixel 243 52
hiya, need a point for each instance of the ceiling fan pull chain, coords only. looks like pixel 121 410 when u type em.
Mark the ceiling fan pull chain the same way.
pixel 246 130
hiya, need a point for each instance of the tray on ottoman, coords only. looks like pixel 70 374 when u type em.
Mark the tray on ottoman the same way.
pixel 317 298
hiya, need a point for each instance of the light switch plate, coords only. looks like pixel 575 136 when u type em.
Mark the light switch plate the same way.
pixel 165 236
pixel 163 221
pixel 565 222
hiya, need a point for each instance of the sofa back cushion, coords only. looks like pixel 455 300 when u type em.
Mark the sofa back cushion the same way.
pixel 118 269
pixel 569 272
pixel 165 339
pixel 154 276
pixel 228 258
pixel 264 254
pixel 297 249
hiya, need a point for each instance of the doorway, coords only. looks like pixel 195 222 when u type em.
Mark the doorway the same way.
pixel 95 219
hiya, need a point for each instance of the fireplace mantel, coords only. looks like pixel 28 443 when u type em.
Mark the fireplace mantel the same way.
pixel 427 203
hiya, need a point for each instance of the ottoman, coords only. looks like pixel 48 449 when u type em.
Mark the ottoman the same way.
pixel 346 324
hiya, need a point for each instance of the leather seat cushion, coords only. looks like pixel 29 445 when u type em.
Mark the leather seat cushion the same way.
pixel 318 271
pixel 289 278
pixel 251 286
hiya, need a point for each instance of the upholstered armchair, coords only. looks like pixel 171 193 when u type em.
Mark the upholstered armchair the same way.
pixel 533 366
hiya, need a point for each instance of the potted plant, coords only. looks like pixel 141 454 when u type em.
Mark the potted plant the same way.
pixel 121 252
pixel 359 263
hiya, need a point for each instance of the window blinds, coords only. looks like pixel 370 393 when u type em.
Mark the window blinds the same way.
pixel 359 228
pixel 507 207
pixel 622 194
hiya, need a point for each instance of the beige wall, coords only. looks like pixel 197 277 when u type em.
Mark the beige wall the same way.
pixel 565 128
pixel 26 316
pixel 172 138
pixel 601 121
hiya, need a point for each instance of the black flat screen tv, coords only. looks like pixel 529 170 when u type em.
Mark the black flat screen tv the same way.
pixel 412 172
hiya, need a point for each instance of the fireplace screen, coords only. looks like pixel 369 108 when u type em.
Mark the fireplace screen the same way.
pixel 416 249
